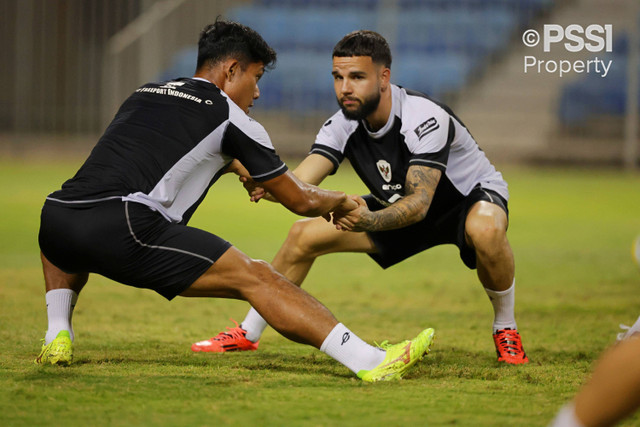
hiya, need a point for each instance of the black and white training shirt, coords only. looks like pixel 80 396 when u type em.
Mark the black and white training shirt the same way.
pixel 168 144
pixel 419 131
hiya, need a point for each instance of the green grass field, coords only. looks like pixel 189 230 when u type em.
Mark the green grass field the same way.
pixel 571 232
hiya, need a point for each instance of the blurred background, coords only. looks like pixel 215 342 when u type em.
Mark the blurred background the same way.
pixel 68 64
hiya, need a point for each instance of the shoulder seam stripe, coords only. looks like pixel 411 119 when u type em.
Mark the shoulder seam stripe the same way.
pixel 320 150
pixel 270 172
pixel 427 161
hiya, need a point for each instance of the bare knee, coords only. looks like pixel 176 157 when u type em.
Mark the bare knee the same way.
pixel 260 274
pixel 233 275
pixel 486 232
pixel 299 243
pixel 262 270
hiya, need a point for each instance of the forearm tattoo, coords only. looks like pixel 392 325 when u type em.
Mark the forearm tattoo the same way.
pixel 420 185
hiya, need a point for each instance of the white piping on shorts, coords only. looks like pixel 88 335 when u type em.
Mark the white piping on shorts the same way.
pixel 104 199
pixel 126 211
pixel 488 194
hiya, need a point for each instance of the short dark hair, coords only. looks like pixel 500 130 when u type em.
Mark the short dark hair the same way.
pixel 224 39
pixel 364 43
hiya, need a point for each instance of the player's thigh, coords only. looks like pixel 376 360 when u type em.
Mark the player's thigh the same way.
pixel 485 221
pixel 318 237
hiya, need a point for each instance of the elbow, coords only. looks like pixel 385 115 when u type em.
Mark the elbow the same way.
pixel 418 211
pixel 307 208
pixel 419 216
pixel 413 218
pixel 312 201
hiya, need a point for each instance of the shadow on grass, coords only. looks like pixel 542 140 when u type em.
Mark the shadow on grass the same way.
pixel 545 365
pixel 444 363
pixel 258 365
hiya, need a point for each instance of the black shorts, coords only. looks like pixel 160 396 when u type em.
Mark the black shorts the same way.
pixel 127 242
pixel 442 228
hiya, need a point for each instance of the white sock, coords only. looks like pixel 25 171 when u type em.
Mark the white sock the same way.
pixel 60 304
pixel 347 348
pixel 503 307
pixel 566 417
pixel 254 324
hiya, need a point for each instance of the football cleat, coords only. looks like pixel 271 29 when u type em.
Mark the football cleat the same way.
pixel 57 352
pixel 232 340
pixel 629 331
pixel 509 346
pixel 399 358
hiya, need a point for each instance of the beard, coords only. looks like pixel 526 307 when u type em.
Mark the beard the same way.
pixel 367 106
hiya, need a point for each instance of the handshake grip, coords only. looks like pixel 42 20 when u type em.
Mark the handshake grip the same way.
pixel 349 214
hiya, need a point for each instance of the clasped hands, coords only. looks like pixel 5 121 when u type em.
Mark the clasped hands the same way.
pixel 348 216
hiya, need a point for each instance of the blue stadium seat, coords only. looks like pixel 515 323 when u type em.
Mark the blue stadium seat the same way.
pixel 437 46
pixel 272 23
pixel 433 74
pixel 292 28
pixel 300 82
pixel 522 10
pixel 471 32
pixel 593 95
pixel 332 4
pixel 183 64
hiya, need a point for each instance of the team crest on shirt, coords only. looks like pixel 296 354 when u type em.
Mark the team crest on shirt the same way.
pixel 426 127
pixel 385 169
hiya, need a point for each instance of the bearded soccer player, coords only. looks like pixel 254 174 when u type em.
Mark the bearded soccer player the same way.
pixel 430 185
pixel 124 214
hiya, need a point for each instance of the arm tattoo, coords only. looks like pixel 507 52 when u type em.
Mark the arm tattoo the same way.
pixel 420 186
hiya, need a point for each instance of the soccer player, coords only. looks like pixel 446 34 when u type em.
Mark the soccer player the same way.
pixel 124 214
pixel 430 184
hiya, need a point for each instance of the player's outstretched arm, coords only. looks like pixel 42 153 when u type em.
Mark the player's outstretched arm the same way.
pixel 421 185
pixel 306 199
pixel 312 170
pixel 238 168
pixel 256 192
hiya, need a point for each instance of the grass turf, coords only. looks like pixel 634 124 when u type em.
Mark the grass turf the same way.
pixel 571 232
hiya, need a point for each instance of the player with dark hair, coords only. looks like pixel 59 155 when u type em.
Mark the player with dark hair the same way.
pixel 124 214
pixel 430 185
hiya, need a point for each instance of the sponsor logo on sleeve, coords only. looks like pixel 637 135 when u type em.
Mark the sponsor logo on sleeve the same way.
pixel 427 127
pixel 172 85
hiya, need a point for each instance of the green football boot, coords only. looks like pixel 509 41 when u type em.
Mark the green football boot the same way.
pixel 57 352
pixel 400 358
